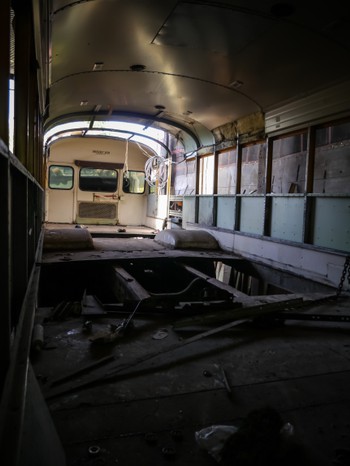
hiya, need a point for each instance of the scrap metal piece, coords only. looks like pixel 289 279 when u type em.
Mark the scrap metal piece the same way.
pixel 160 334
pixel 115 331
pixel 82 370
pixel 248 312
pixel 309 317
pixel 237 319
pixel 225 381
pixel 90 305
pixel 87 326
pixel 38 337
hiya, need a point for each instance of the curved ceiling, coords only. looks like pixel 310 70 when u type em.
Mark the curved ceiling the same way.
pixel 190 66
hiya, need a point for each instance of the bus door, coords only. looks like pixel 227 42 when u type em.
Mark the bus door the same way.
pixel 60 194
pixel 97 195
pixel 133 201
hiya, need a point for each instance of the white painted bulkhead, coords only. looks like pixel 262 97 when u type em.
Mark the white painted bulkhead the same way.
pixel 62 205
pixel 324 267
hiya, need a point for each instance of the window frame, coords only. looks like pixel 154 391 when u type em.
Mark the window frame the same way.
pixel 50 177
pixel 98 188
pixel 144 182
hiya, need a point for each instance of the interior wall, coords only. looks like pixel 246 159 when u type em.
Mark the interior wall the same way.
pixel 62 205
pixel 284 202
pixel 321 266
pixel 157 211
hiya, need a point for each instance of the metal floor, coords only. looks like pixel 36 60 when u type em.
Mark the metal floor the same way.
pixel 155 390
pixel 142 398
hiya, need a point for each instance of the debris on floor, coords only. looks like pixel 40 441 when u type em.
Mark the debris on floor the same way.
pixel 261 439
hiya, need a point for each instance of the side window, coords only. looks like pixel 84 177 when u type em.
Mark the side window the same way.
pixel 289 164
pixel 134 182
pixel 61 177
pixel 98 179
pixel 206 174
pixel 332 159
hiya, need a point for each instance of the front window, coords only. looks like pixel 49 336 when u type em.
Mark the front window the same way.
pixel 98 179
pixel 61 177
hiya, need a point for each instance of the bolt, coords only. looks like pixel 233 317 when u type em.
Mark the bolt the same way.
pixel 94 450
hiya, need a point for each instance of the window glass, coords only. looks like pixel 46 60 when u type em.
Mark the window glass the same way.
pixel 206 175
pixel 184 177
pixel 134 182
pixel 289 164
pixel 253 169
pixel 98 179
pixel 61 177
pixel 332 159
pixel 227 171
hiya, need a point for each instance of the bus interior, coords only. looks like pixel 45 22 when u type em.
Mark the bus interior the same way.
pixel 175 233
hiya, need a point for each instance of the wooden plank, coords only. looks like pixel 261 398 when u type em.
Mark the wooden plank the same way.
pixel 82 370
pixel 253 311
pixel 271 303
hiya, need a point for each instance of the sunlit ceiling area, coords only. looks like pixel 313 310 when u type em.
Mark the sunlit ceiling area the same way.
pixel 154 139
pixel 185 68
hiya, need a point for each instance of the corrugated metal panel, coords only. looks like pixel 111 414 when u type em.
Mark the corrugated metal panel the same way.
pixel 325 105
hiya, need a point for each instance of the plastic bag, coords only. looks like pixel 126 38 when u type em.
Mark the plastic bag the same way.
pixel 287 430
pixel 213 438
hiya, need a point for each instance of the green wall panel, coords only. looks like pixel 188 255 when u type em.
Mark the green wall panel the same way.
pixel 206 210
pixel 252 214
pixel 332 223
pixel 287 218
pixel 226 208
pixel 189 209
